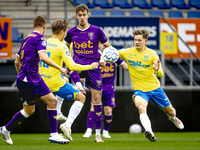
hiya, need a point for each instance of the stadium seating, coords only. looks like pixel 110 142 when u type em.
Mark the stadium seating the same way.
pixel 117 12
pixel 77 2
pixel 156 13
pixel 16 36
pixel 180 4
pixel 141 4
pixel 98 12
pixel 122 4
pixel 103 3
pixel 175 14
pixel 193 14
pixel 137 13
pixel 161 4
pixel 195 3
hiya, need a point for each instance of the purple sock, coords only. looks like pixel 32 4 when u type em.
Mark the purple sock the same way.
pixel 15 121
pixel 107 122
pixel 75 77
pixel 90 119
pixel 98 116
pixel 51 114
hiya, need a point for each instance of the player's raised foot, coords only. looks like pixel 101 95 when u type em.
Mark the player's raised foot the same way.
pixel 106 135
pixel 61 117
pixel 66 131
pixel 6 136
pixel 177 122
pixel 58 139
pixel 150 136
pixel 87 134
pixel 82 91
pixel 98 139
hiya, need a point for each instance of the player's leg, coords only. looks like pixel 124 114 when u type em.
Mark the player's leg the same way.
pixel 161 99
pixel 107 121
pixel 90 122
pixel 141 101
pixel 171 113
pixel 76 79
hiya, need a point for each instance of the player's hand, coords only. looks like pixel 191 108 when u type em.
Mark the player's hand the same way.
pixel 95 65
pixel 156 65
pixel 63 71
pixel 102 64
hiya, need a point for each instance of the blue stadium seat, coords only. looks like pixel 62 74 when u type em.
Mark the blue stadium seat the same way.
pixel 78 2
pixel 156 13
pixel 103 3
pixel 195 3
pixel 98 12
pixel 161 4
pixel 193 14
pixel 117 12
pixel 122 4
pixel 175 14
pixel 180 4
pixel 16 36
pixel 141 4
pixel 137 13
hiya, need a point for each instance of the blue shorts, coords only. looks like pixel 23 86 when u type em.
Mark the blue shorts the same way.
pixel 28 92
pixel 158 96
pixel 68 91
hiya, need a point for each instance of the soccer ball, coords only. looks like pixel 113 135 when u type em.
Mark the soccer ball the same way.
pixel 110 55
pixel 135 129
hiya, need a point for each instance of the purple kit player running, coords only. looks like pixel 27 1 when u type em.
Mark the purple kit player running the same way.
pixel 85 38
pixel 108 93
pixel 30 84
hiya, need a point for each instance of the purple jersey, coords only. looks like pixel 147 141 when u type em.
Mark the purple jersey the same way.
pixel 85 43
pixel 28 54
pixel 108 74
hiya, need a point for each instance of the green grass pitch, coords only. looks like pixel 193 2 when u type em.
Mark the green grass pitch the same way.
pixel 119 141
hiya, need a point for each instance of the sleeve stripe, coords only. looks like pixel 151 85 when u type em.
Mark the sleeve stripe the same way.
pixel 17 55
pixel 43 50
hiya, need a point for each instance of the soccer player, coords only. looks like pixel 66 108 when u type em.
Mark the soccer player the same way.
pixel 143 64
pixel 108 93
pixel 30 84
pixel 59 52
pixel 85 38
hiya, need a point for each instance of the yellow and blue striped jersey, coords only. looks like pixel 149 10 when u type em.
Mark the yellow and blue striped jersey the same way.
pixel 140 66
pixel 58 52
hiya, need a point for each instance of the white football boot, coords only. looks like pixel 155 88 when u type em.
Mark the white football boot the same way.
pixel 98 139
pixel 61 117
pixel 87 134
pixel 58 139
pixel 150 136
pixel 106 134
pixel 66 131
pixel 6 136
pixel 176 122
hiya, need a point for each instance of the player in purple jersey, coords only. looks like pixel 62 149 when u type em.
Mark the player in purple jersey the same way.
pixel 108 93
pixel 85 38
pixel 30 84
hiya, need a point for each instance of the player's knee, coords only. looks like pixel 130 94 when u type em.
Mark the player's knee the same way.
pixel 108 111
pixel 53 103
pixel 80 97
pixel 141 109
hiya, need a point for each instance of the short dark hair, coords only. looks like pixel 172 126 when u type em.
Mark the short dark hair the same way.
pixel 39 21
pixel 58 26
pixel 143 32
pixel 81 7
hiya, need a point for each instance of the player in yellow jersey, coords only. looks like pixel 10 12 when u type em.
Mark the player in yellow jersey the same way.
pixel 58 52
pixel 143 64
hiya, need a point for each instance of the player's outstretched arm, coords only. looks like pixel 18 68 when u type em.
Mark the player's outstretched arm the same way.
pixel 43 57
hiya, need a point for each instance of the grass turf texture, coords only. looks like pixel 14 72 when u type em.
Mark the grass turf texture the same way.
pixel 119 141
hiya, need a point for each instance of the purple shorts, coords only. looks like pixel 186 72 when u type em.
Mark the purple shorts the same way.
pixel 93 79
pixel 108 97
pixel 28 92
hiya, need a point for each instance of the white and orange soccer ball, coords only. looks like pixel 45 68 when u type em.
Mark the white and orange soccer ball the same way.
pixel 110 55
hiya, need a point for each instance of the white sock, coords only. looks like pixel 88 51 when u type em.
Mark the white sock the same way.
pixel 146 123
pixel 53 134
pixel 5 130
pixel 59 104
pixel 105 132
pixel 73 113
pixel 98 132
pixel 89 130
pixel 79 85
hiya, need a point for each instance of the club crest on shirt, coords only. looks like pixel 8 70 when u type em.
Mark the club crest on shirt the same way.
pixel 146 57
pixel 91 35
